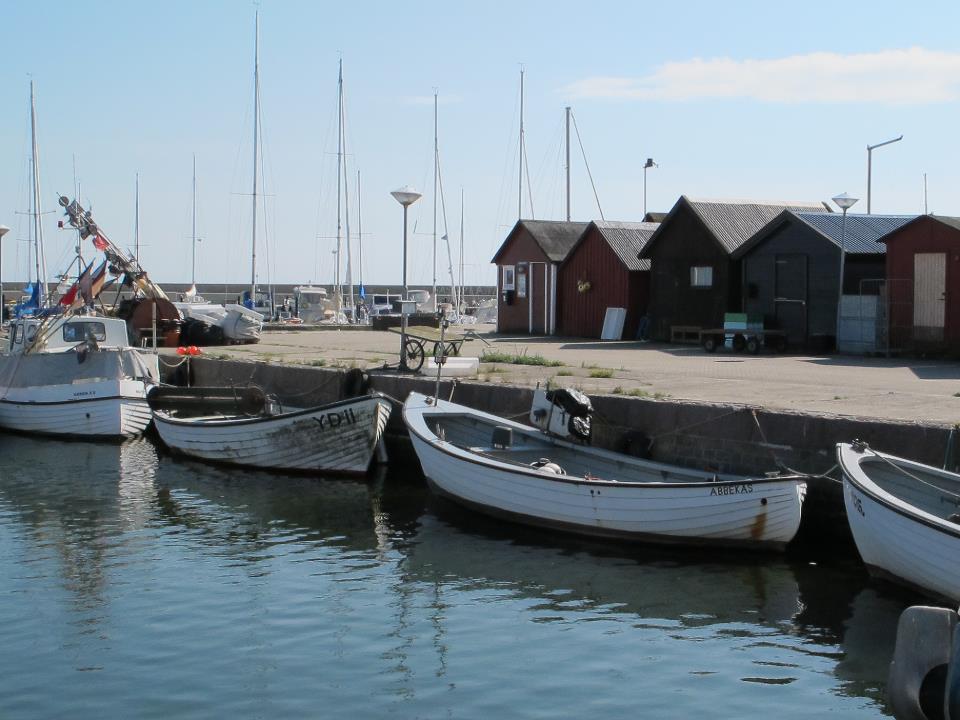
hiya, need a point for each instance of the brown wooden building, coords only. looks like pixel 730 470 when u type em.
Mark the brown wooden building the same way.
pixel 693 279
pixel 527 268
pixel 603 270
pixel 923 284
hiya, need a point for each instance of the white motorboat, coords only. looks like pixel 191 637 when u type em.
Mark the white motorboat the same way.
pixel 339 437
pixel 75 375
pixel 905 518
pixel 526 474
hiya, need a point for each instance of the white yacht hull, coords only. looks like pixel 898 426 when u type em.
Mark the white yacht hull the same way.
pixel 340 437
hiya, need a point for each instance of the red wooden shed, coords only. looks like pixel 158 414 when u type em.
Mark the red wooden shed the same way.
pixel 923 284
pixel 603 271
pixel 527 264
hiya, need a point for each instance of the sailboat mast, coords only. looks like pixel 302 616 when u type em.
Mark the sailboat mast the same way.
pixel 568 163
pixel 520 171
pixel 136 220
pixel 339 288
pixel 360 240
pixel 256 157
pixel 460 299
pixel 348 263
pixel 39 255
pixel 193 265
pixel 436 172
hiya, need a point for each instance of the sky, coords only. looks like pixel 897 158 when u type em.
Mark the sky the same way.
pixel 738 100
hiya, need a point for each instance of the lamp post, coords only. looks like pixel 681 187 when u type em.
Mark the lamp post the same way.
pixel 406 196
pixel 3 231
pixel 870 149
pixel 646 166
pixel 844 202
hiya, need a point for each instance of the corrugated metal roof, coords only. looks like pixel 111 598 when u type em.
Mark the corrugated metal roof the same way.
pixel 862 231
pixel 627 239
pixel 953 222
pixel 555 237
pixel 733 222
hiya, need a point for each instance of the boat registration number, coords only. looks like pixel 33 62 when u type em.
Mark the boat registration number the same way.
pixel 731 490
pixel 336 419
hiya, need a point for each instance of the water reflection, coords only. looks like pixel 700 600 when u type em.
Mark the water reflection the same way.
pixel 791 617
pixel 75 498
pixel 176 577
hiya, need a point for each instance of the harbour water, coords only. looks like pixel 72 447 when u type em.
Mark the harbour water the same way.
pixel 138 585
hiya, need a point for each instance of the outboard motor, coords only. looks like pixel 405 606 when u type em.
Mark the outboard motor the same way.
pixel 563 412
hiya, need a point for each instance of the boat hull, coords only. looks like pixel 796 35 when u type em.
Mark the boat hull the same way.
pixel 337 438
pixel 897 541
pixel 750 512
pixel 103 397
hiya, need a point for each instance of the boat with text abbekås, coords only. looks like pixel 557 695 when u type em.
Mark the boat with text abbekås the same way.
pixel 529 475
pixel 339 437
pixel 905 518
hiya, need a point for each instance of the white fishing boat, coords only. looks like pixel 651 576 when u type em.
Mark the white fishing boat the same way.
pixel 340 437
pixel 75 375
pixel 905 518
pixel 528 475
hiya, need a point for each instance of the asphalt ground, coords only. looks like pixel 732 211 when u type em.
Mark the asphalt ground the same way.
pixel 902 389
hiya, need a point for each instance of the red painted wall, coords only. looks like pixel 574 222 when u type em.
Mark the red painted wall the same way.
pixel 515 318
pixel 924 235
pixel 581 314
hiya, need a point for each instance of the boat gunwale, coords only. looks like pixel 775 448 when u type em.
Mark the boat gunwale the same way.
pixel 163 416
pixel 478 458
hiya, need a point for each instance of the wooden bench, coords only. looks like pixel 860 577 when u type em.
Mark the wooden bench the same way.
pixel 685 334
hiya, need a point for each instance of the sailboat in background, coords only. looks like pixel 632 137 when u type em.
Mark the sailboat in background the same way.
pixel 236 323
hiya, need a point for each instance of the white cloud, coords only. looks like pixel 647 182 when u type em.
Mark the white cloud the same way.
pixel 901 77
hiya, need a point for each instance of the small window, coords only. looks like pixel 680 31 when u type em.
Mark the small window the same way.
pixel 16 337
pixel 521 285
pixel 31 333
pixel 82 331
pixel 701 276
pixel 508 282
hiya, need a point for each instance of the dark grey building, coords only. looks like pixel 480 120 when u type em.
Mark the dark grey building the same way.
pixel 791 269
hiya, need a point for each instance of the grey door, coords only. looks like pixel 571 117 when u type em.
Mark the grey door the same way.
pixel 790 296
pixel 929 295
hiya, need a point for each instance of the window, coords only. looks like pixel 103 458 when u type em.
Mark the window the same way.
pixel 81 331
pixel 521 285
pixel 701 276
pixel 508 283
pixel 31 333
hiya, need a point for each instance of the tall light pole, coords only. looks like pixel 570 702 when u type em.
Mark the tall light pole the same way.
pixel 3 231
pixel 844 202
pixel 646 166
pixel 406 196
pixel 870 149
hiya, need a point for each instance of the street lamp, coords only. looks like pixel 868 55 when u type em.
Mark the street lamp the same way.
pixel 870 149
pixel 844 202
pixel 648 164
pixel 3 231
pixel 406 196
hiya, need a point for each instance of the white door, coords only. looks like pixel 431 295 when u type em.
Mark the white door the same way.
pixel 929 295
